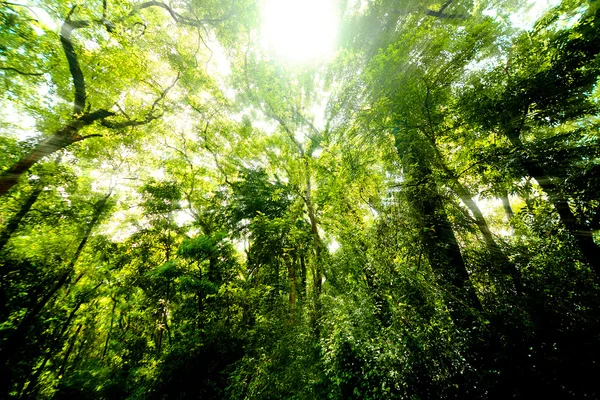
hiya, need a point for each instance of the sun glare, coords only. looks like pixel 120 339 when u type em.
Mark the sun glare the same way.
pixel 299 30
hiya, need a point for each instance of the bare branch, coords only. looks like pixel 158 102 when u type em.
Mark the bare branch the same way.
pixel 198 49
pixel 66 40
pixel 122 111
pixel 175 15
pixel 215 158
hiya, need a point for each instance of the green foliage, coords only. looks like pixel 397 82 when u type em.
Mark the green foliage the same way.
pixel 199 248
pixel 416 219
pixel 255 195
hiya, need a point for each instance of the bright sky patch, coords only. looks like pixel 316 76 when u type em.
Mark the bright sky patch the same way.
pixel 299 30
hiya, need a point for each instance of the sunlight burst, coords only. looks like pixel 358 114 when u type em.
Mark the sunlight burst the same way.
pixel 300 30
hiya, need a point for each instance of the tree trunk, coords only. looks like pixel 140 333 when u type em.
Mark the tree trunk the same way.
pixel 54 345
pixel 506 205
pixel 292 279
pixel 302 276
pixel 62 138
pixel 32 386
pixel 212 272
pixel 582 233
pixel 500 259
pixel 437 237
pixel 16 340
pixel 317 272
pixel 14 222
pixel 65 362
pixel 112 319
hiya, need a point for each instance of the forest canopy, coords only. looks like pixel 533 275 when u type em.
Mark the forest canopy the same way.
pixel 284 199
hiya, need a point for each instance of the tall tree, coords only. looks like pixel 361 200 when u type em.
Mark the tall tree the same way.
pixel 523 103
pixel 113 81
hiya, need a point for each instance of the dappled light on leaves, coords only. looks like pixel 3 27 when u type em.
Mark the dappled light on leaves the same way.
pixel 300 199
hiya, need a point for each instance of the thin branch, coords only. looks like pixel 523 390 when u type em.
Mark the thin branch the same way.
pixel 183 153
pixel 428 112
pixel 285 127
pixel 193 11
pixel 21 72
pixel 122 111
pixel 187 193
pixel 151 116
pixel 198 48
pixel 8 4
pixel 216 159
pixel 270 111
pixel 315 131
pixel 164 92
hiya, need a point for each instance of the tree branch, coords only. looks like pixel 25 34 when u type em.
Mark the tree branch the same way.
pixel 125 124
pixel 151 116
pixel 180 18
pixel 95 116
pixel 9 4
pixel 21 72
pixel 441 15
pixel 440 12
pixel 80 138
pixel 308 123
pixel 272 114
pixel 74 67
pixel 446 4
